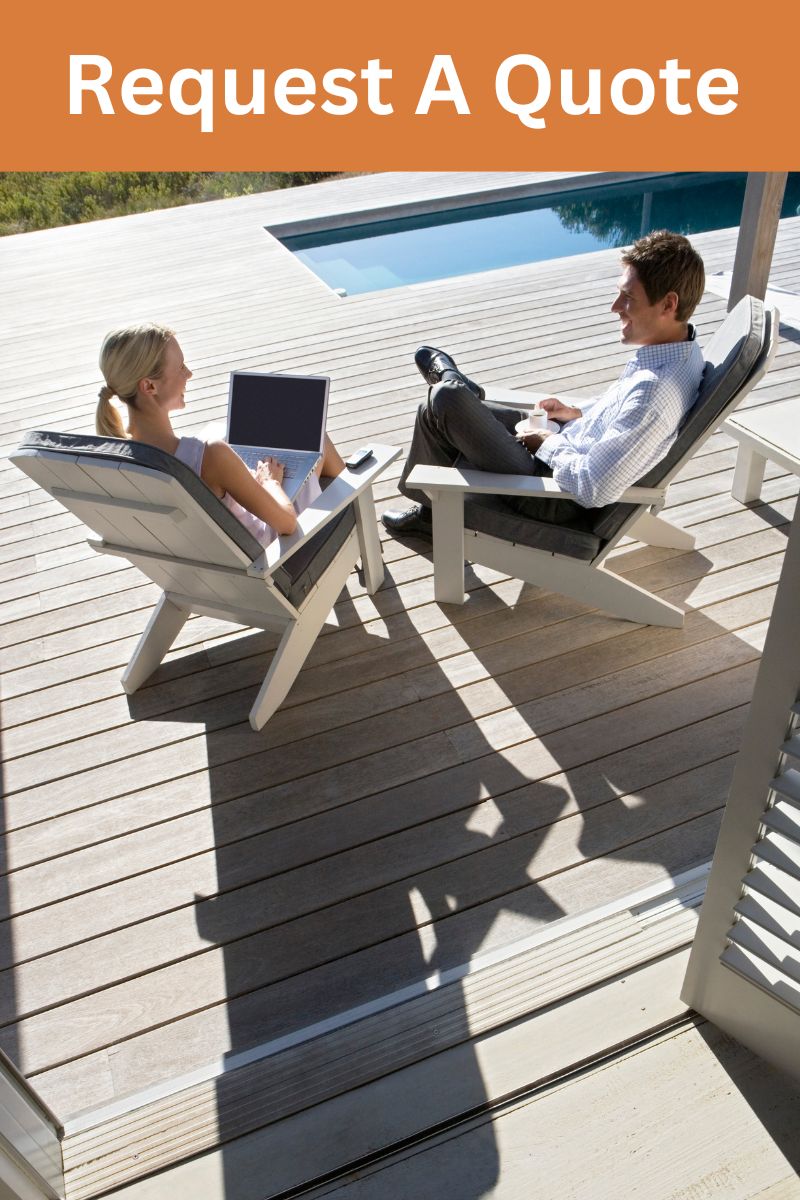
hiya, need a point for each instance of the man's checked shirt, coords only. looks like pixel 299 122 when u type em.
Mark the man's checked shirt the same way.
pixel 626 431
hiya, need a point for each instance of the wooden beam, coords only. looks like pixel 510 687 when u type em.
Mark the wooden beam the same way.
pixel 757 231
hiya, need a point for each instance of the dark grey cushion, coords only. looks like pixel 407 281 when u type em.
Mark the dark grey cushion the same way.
pixel 298 574
pixel 571 535
pixel 294 578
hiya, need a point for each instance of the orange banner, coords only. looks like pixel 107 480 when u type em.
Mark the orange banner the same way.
pixel 408 86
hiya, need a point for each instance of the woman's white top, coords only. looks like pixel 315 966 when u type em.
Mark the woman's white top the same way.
pixel 190 450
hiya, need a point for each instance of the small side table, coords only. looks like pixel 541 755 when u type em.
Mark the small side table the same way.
pixel 773 433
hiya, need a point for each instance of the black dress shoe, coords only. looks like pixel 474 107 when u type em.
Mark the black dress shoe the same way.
pixel 432 364
pixel 416 519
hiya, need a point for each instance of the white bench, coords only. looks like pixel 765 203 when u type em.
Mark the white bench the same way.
pixel 773 433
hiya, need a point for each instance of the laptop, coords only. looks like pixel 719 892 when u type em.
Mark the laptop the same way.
pixel 284 415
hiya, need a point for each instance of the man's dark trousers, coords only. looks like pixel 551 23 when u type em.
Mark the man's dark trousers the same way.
pixel 454 428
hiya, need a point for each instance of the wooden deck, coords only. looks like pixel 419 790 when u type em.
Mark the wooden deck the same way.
pixel 440 782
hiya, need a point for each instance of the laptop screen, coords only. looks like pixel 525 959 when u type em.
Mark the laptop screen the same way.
pixel 286 411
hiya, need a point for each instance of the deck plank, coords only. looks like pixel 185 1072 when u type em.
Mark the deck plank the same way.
pixel 734 1118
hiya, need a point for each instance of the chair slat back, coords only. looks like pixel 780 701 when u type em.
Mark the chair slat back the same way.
pixel 132 507
pixel 146 514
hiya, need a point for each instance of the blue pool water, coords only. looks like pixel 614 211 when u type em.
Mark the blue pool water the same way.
pixel 387 254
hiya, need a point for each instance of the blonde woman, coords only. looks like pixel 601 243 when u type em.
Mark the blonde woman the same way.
pixel 144 367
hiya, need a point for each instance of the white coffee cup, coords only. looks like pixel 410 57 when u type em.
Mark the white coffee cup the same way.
pixel 537 419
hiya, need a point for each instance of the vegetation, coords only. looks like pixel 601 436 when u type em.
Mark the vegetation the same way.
pixel 34 200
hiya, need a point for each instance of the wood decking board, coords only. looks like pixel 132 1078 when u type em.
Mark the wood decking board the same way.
pixel 732 1132
pixel 440 779
pixel 88 967
pixel 359 825
pixel 321 939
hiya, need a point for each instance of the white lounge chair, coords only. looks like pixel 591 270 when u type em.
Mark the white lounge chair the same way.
pixel 154 511
pixel 489 531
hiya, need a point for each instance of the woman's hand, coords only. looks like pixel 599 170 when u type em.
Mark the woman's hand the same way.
pixel 259 491
pixel 271 469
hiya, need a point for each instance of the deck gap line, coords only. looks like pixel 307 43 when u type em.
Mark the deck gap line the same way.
pixel 608 712
pixel 106 643
pixel 577 766
pixel 68 628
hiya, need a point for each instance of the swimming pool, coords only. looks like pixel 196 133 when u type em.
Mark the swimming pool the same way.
pixel 484 237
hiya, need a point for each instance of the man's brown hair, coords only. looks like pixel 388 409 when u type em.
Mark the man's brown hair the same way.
pixel 667 262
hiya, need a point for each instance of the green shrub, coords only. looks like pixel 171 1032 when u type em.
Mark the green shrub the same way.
pixel 40 200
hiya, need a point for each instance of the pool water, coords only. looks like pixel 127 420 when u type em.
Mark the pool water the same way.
pixel 395 253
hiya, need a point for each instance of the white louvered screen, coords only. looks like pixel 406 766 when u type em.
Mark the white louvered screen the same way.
pixel 744 970
pixel 764 941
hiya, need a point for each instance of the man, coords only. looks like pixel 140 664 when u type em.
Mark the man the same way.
pixel 611 441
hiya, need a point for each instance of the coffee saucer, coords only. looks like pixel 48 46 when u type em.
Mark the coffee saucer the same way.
pixel 522 427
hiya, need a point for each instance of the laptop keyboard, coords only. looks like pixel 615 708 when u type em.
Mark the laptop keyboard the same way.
pixel 293 464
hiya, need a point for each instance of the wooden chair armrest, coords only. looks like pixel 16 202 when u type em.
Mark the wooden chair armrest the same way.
pixel 341 491
pixel 454 479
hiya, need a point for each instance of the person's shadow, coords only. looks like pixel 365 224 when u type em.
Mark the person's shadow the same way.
pixel 370 876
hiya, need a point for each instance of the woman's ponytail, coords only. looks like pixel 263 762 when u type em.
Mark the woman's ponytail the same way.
pixel 108 421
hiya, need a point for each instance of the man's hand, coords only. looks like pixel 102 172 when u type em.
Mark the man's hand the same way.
pixel 532 441
pixel 558 411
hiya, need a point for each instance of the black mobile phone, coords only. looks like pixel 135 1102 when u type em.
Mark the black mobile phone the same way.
pixel 358 457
